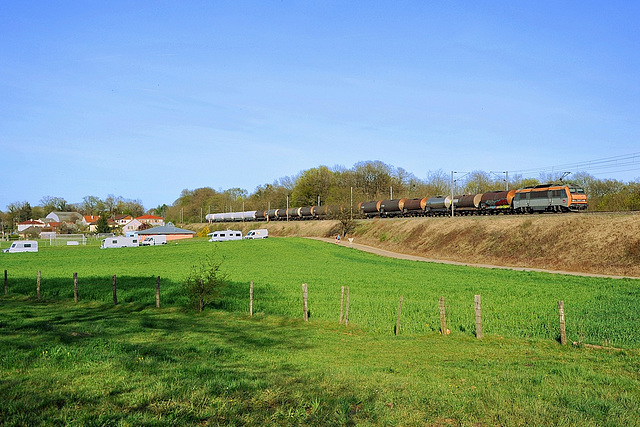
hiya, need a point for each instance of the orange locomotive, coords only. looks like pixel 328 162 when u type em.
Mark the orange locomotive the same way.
pixel 549 198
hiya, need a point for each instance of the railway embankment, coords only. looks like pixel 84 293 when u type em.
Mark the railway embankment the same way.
pixel 598 244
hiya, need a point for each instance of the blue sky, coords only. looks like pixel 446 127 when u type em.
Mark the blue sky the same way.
pixel 144 99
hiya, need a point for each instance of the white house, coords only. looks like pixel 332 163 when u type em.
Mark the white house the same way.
pixel 31 223
pixel 122 220
pixel 132 225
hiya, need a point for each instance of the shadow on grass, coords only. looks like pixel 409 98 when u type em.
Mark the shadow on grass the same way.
pixel 141 290
pixel 65 361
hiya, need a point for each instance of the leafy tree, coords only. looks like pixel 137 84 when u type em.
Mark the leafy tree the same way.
pixel 373 178
pixel 32 233
pixel 346 222
pixel 438 183
pixel 91 205
pixel 160 210
pixel 53 204
pixel 67 228
pixel 518 181
pixel 19 211
pixel 273 195
pixel 310 184
pixel 480 182
pixel 203 285
pixel 102 226
pixel 132 207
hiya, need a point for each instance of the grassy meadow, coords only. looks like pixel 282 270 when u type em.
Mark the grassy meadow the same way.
pixel 93 363
pixel 514 304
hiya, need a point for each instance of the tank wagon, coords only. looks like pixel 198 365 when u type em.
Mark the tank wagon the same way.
pixel 370 209
pixel 541 198
pixel 437 206
pixel 468 204
pixel 414 207
pixel 497 201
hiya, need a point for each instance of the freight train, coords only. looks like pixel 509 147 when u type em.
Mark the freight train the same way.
pixel 537 199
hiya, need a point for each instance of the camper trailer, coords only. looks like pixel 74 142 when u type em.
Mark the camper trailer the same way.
pixel 22 246
pixel 119 242
pixel 223 236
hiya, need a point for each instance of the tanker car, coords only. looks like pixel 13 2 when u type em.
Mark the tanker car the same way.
pixel 537 199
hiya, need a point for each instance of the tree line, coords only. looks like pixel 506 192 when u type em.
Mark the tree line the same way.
pixel 91 205
pixel 368 180
pixel 375 180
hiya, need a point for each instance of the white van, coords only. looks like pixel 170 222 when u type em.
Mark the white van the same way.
pixel 22 246
pixel 261 233
pixel 154 240
pixel 119 242
pixel 223 236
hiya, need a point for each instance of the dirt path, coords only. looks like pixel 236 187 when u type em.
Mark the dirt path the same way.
pixel 386 253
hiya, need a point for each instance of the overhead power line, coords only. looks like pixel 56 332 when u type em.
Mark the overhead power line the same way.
pixel 608 165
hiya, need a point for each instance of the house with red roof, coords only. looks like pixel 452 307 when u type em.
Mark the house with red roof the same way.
pixel 152 220
pixel 91 221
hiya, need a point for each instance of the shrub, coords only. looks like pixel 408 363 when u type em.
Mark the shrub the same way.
pixel 204 232
pixel 203 285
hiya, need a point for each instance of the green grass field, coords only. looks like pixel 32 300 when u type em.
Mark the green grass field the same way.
pixel 514 304
pixel 93 363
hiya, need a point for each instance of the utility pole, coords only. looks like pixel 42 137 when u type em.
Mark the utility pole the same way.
pixel 506 178
pixel 453 189
pixel 452 181
pixel 351 202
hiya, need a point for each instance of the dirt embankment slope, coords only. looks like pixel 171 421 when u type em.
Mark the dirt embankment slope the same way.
pixel 600 244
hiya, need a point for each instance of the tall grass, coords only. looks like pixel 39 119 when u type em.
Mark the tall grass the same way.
pixel 515 304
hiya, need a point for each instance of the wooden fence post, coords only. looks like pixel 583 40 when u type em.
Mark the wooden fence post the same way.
pixel 341 303
pixel 563 332
pixel 398 319
pixel 6 284
pixel 158 292
pixel 75 287
pixel 251 299
pixel 115 297
pixel 38 285
pixel 346 315
pixel 478 307
pixel 305 305
pixel 443 317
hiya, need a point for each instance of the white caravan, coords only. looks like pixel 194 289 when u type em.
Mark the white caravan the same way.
pixel 223 236
pixel 22 246
pixel 154 240
pixel 261 233
pixel 119 242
